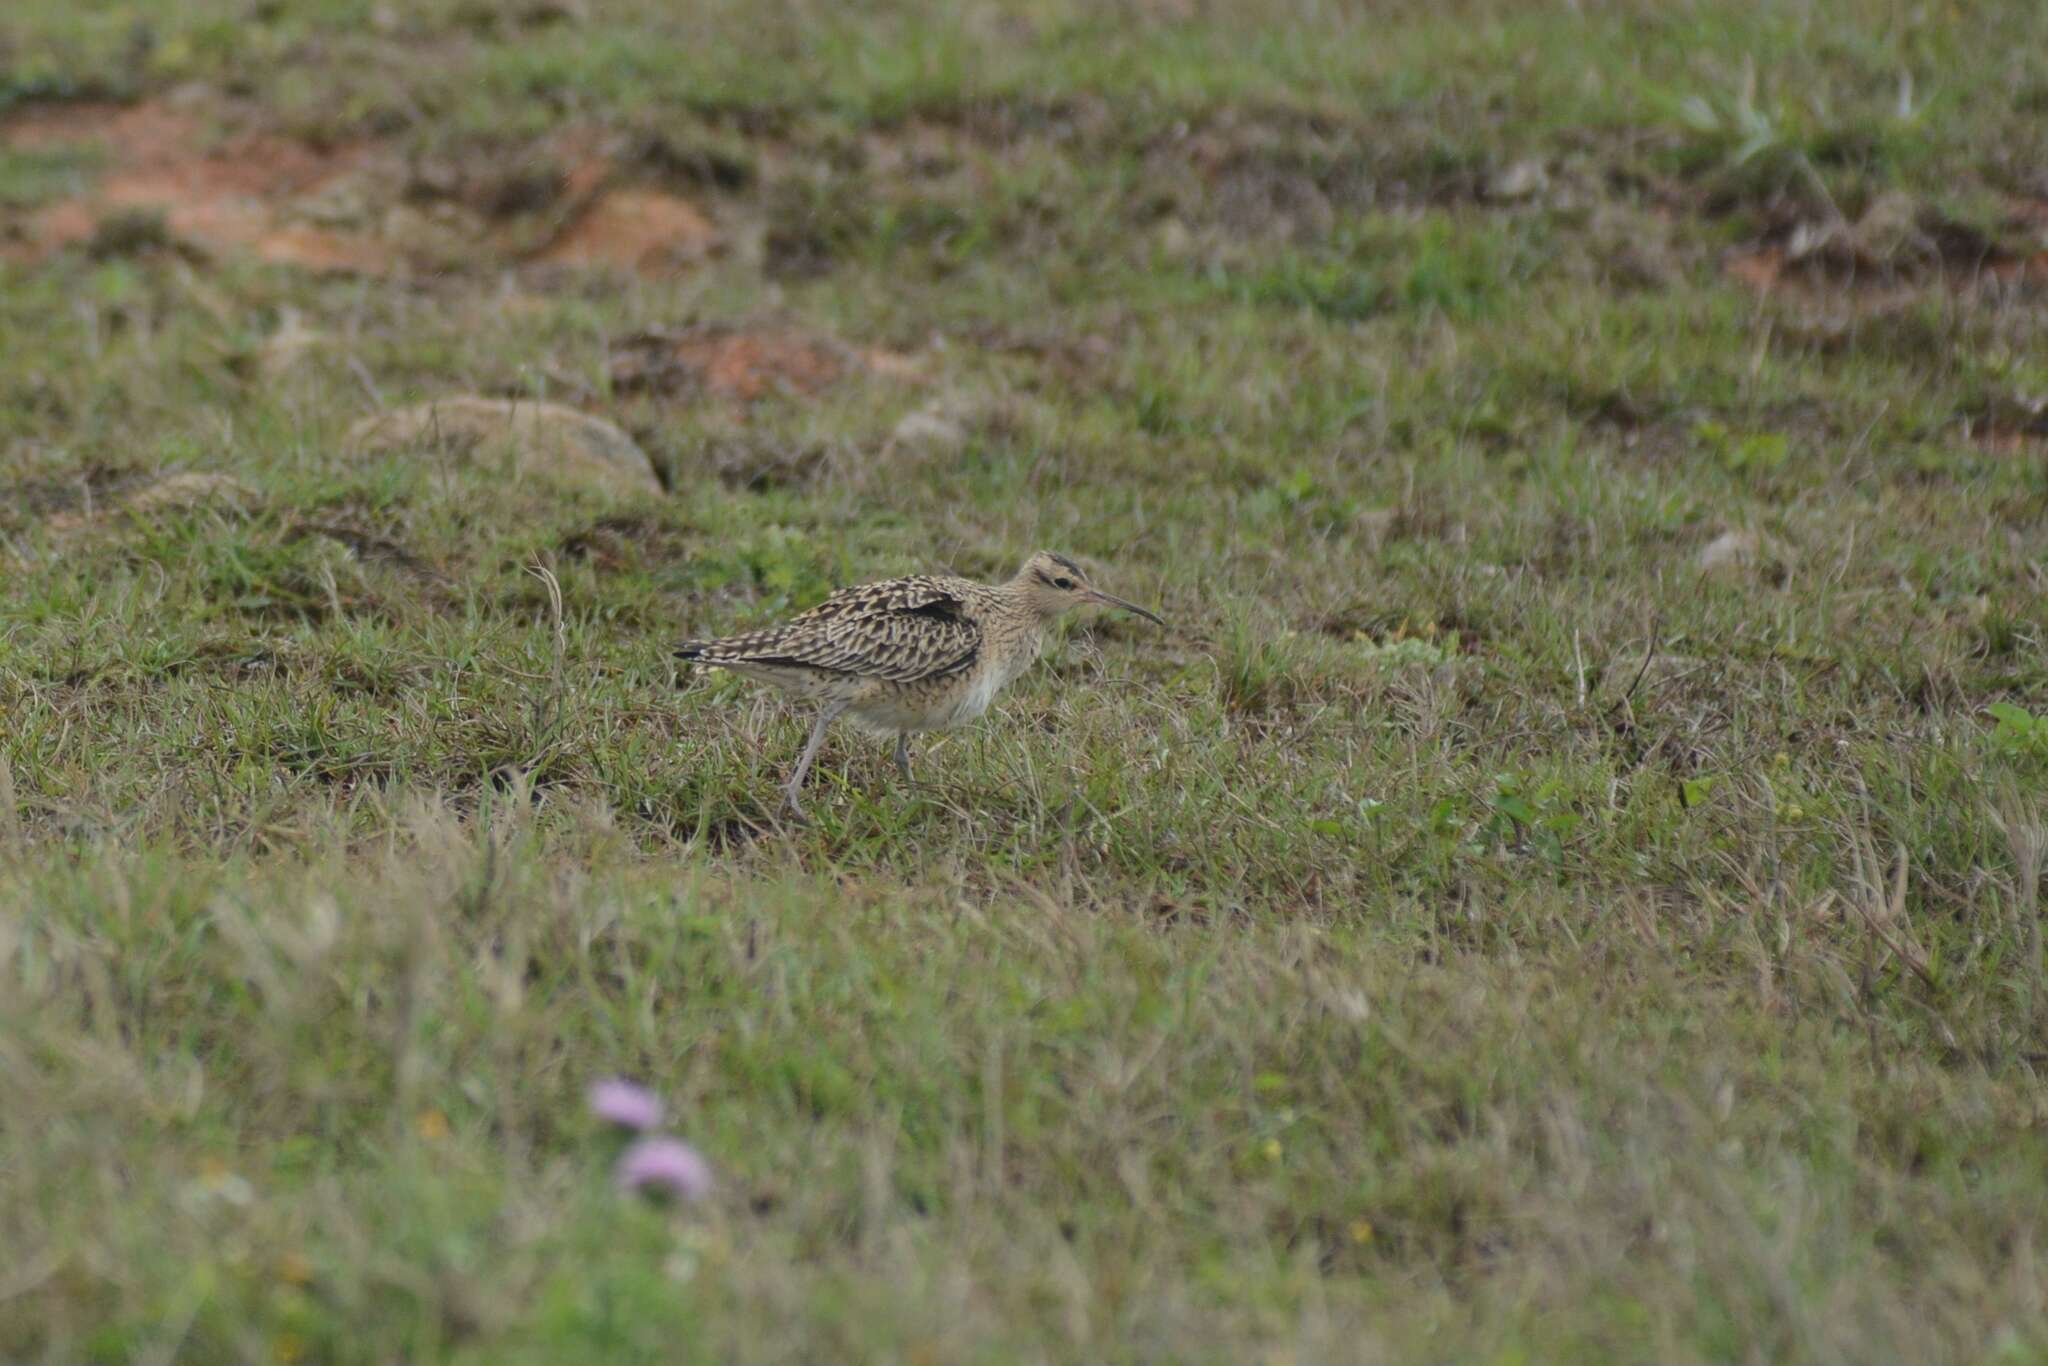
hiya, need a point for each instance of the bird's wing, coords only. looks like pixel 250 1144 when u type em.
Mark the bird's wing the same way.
pixel 901 630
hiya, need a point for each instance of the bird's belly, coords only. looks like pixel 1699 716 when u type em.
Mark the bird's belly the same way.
pixel 969 705
pixel 912 708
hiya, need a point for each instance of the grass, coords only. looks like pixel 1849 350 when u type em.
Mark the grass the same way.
pixel 1489 925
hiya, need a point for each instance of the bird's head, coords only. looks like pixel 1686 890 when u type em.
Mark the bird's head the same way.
pixel 1053 584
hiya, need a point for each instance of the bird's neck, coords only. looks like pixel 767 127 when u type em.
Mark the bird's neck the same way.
pixel 1024 647
pixel 1018 638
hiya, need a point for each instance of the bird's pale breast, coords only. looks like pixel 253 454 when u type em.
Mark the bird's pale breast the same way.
pixel 940 704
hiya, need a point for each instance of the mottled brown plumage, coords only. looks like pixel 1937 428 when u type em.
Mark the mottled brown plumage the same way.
pixel 903 655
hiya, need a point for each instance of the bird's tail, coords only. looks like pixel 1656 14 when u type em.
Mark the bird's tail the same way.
pixel 730 650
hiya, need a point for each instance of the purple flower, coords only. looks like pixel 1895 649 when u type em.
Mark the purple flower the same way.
pixel 663 1166
pixel 626 1104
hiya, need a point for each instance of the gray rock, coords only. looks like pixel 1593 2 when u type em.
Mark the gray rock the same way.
pixel 525 437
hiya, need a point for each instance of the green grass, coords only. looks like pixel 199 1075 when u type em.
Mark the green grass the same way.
pixel 1474 931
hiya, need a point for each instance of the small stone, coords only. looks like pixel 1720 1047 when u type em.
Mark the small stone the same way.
pixel 525 436
pixel 1730 550
pixel 1523 180
pixel 929 431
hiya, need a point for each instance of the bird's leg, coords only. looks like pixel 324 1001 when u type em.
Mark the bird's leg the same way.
pixel 903 757
pixel 826 716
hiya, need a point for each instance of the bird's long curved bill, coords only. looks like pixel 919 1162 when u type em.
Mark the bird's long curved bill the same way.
pixel 1106 600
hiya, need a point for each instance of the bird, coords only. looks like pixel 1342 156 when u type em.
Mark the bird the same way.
pixel 905 655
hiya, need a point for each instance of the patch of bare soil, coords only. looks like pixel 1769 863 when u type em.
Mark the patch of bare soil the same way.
pixel 2010 426
pixel 1002 122
pixel 71 497
pixel 767 464
pixel 233 192
pixel 1895 250
pixel 358 207
pixel 626 541
pixel 1076 359
pixel 1255 174
pixel 745 363
pixel 634 229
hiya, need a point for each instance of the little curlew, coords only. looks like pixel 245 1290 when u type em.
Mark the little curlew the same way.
pixel 904 655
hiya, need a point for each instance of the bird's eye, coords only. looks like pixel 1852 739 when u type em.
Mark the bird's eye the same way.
pixel 1062 583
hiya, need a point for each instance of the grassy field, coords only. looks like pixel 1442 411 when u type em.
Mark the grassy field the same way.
pixel 1564 888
